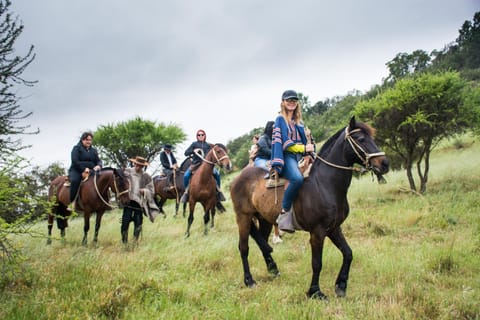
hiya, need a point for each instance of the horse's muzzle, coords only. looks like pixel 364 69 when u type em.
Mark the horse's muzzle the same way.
pixel 380 165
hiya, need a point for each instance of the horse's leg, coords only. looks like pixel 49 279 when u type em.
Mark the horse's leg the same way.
pixel 184 209
pixel 50 226
pixel 160 206
pixel 206 219
pixel 190 219
pixel 62 220
pixel 244 225
pixel 340 242
pixel 212 217
pixel 177 205
pixel 86 227
pixel 261 238
pixel 317 239
pixel 98 223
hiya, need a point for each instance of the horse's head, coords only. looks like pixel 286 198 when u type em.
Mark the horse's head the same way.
pixel 361 136
pixel 219 156
pixel 121 186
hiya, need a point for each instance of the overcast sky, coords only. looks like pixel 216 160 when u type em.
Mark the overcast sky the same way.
pixel 218 65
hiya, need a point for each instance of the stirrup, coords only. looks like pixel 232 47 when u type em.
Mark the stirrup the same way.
pixel 285 221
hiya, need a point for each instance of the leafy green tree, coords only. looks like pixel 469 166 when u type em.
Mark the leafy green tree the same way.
pixel 337 115
pixel 17 205
pixel 39 179
pixel 415 114
pixel 464 53
pixel 137 137
pixel 11 69
pixel 407 63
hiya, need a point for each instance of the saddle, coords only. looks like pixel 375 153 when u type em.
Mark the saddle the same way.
pixel 304 165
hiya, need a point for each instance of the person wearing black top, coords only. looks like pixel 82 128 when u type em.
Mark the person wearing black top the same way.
pixel 84 158
pixel 169 164
pixel 264 148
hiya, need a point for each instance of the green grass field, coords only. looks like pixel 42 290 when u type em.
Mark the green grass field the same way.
pixel 415 257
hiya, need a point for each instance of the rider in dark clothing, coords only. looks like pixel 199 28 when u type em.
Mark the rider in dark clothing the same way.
pixel 84 158
pixel 169 164
pixel 264 148
pixel 202 147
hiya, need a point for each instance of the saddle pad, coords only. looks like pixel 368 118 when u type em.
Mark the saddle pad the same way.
pixel 272 183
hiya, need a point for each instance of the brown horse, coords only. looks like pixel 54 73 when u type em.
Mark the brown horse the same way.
pixel 320 207
pixel 93 197
pixel 203 187
pixel 163 192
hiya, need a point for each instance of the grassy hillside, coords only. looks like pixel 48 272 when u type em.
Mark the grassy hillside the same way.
pixel 415 257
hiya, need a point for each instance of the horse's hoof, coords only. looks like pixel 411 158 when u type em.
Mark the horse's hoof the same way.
pixel 273 269
pixel 49 241
pixel 187 234
pixel 317 294
pixel 250 283
pixel 341 290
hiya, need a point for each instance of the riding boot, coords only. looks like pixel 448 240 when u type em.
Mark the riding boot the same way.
pixel 285 221
pixel 124 237
pixel 184 198
pixel 220 196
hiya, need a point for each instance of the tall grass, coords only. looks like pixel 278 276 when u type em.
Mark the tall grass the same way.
pixel 415 257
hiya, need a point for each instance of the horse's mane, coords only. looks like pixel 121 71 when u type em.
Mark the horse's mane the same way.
pixel 221 146
pixel 325 150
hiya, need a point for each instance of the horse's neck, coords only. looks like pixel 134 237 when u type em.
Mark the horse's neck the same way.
pixel 104 181
pixel 328 173
pixel 205 170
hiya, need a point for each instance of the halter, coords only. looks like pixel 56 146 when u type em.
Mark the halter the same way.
pixel 357 149
pixel 217 160
pixel 115 191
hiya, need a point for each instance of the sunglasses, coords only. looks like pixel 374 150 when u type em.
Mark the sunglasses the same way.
pixel 200 135
pixel 292 100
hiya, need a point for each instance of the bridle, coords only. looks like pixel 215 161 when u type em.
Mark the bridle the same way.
pixel 117 193
pixel 217 159
pixel 357 148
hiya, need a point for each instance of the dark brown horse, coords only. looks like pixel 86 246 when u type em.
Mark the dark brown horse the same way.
pixel 320 207
pixel 93 197
pixel 163 192
pixel 203 188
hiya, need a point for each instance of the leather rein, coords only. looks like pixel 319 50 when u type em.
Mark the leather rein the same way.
pixel 358 151
pixel 115 191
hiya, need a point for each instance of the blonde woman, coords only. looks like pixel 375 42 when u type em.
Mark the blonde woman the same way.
pixel 289 144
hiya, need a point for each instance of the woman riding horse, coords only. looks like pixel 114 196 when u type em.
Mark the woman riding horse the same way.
pixel 320 207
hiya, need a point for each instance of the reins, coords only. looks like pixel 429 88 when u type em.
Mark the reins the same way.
pixel 217 160
pixel 356 148
pixel 115 191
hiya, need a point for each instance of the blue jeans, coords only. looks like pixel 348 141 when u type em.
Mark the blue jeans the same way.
pixel 261 163
pixel 292 173
pixel 188 175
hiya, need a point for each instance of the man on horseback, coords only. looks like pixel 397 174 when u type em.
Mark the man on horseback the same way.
pixel 289 144
pixel 84 158
pixel 197 150
pixel 169 164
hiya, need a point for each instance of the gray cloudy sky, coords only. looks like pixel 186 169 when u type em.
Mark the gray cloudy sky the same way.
pixel 217 65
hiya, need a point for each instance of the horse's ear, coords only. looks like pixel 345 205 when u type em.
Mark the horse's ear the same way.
pixel 352 123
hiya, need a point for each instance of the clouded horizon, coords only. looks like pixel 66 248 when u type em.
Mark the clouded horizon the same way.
pixel 216 65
